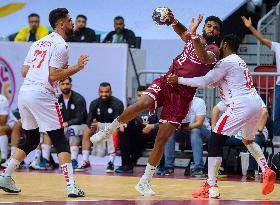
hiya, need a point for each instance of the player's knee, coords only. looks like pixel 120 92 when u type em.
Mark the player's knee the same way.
pixel 59 140
pixel 247 142
pixel 31 141
pixel 215 144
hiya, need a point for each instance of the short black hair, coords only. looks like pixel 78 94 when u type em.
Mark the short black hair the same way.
pixel 82 16
pixel 233 41
pixel 215 19
pixel 57 14
pixel 33 15
pixel 119 18
pixel 68 78
pixel 105 84
pixel 142 88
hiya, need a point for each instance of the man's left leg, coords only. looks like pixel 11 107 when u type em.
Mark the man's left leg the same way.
pixel 63 151
pixel 144 185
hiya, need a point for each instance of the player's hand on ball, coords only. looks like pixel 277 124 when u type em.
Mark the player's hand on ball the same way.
pixel 195 23
pixel 82 61
pixel 247 22
pixel 172 78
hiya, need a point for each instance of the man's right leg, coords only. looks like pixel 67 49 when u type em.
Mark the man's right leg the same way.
pixel 128 114
pixel 30 143
pixel 86 144
pixel 197 148
pixel 164 132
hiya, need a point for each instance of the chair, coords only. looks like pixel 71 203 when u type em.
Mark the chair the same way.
pixel 138 42
pixel 97 38
pixel 263 84
pixel 12 37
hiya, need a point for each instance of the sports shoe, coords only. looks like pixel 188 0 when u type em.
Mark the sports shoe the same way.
pixel 222 173
pixel 207 191
pixel 144 188
pixel 34 165
pixel 124 169
pixel 45 165
pixel 74 163
pixel 165 171
pixel 250 174
pixel 8 185
pixel 84 166
pixel 110 167
pixel 73 190
pixel 197 173
pixel 269 177
pixel 106 133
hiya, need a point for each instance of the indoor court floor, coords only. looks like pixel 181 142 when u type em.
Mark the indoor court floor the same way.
pixel 39 187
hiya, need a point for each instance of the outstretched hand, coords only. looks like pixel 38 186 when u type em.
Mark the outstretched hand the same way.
pixel 172 78
pixel 82 61
pixel 195 23
pixel 170 16
pixel 247 22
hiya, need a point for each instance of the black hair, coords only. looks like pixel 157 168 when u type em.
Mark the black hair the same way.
pixel 141 88
pixel 68 78
pixel 215 19
pixel 82 16
pixel 232 41
pixel 119 18
pixel 33 15
pixel 105 84
pixel 57 14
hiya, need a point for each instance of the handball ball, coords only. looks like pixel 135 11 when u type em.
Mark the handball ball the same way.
pixel 160 16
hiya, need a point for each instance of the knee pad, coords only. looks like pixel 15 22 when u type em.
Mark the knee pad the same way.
pixel 215 144
pixel 31 141
pixel 59 140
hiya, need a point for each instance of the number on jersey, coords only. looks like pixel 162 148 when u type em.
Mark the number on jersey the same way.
pixel 38 59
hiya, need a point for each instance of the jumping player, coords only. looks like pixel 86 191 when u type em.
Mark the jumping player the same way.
pixel 195 60
pixel 45 64
pixel 244 105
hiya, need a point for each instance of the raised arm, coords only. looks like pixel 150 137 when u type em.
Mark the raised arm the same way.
pixel 179 28
pixel 258 35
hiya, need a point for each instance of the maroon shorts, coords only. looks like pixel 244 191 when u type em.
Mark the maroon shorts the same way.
pixel 174 100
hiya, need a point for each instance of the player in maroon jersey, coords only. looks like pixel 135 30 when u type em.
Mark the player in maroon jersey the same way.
pixel 198 57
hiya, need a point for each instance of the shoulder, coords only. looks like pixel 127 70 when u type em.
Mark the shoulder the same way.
pixel 24 30
pixel 198 103
pixel 128 31
pixel 116 100
pixel 77 95
pixel 43 28
pixel 94 102
pixel 90 30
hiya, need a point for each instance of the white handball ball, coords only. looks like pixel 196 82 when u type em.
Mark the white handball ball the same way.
pixel 160 16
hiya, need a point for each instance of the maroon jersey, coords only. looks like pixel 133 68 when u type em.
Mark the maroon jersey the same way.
pixel 175 99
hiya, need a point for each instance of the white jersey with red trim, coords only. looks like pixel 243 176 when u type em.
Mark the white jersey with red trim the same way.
pixel 50 51
pixel 230 75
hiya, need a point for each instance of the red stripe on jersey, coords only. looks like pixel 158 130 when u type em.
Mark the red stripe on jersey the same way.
pixel 222 124
pixel 59 114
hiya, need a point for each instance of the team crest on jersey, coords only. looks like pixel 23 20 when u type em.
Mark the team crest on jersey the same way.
pixel 7 80
pixel 110 110
pixel 98 111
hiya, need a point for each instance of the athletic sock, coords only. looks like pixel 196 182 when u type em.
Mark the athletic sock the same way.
pixel 4 146
pixel 257 153
pixel 46 151
pixel 214 164
pixel 67 170
pixel 149 172
pixel 13 149
pixel 85 155
pixel 74 152
pixel 12 165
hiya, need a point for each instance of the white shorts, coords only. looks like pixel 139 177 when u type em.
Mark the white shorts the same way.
pixel 74 132
pixel 39 109
pixel 243 115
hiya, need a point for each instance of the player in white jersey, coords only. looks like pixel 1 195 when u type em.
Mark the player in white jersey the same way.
pixel 232 77
pixel 45 64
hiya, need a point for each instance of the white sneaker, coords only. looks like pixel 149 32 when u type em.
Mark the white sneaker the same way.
pixel 214 192
pixel 101 136
pixel 73 190
pixel 144 188
pixel 8 185
pixel 5 164
pixel 34 165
